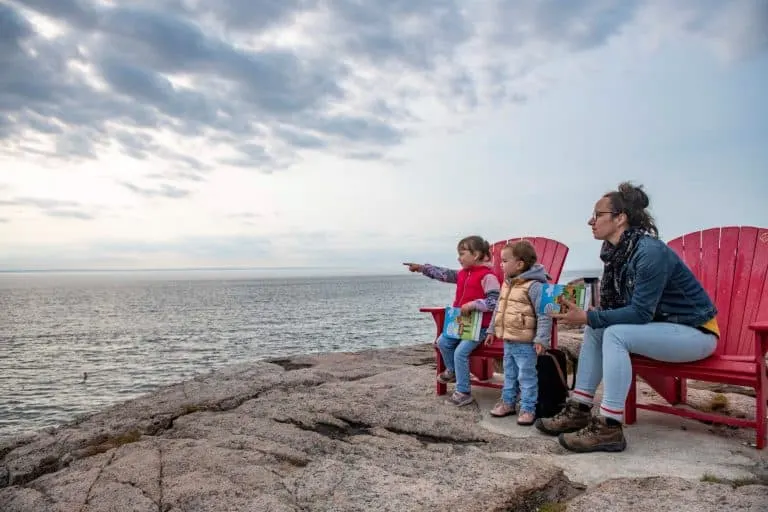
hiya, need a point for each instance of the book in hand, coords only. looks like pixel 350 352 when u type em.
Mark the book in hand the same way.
pixel 462 327
pixel 553 297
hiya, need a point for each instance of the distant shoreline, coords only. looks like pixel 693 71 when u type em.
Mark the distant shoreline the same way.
pixel 253 272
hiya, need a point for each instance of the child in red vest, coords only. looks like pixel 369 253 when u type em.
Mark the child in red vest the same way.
pixel 477 289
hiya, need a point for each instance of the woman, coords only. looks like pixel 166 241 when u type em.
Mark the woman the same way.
pixel 650 304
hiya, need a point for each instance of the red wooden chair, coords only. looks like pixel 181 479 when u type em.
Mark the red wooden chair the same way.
pixel 551 254
pixel 732 264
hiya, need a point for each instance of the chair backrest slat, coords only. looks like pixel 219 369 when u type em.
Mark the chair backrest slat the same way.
pixel 731 263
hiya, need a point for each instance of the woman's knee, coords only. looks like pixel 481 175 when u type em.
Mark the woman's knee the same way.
pixel 615 339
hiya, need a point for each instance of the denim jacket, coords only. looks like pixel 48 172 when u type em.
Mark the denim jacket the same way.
pixel 659 288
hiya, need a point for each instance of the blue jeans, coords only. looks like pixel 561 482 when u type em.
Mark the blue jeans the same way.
pixel 605 356
pixel 456 358
pixel 520 376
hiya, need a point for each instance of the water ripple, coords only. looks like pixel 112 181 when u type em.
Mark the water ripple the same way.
pixel 131 337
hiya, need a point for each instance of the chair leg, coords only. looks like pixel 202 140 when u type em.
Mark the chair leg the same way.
pixel 761 393
pixel 630 407
pixel 682 391
pixel 440 388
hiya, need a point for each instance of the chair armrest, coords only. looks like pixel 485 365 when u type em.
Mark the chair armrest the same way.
pixel 761 337
pixel 438 315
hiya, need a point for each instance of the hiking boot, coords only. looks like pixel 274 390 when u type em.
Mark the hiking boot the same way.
pixel 570 419
pixel 502 409
pixel 446 377
pixel 460 399
pixel 598 436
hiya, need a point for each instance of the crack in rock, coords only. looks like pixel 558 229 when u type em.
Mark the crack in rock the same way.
pixel 432 439
pixel 288 364
pixel 329 430
pixel 96 479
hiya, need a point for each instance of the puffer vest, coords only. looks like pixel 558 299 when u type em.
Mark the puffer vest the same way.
pixel 469 287
pixel 515 317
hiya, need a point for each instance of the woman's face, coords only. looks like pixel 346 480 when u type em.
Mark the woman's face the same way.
pixel 605 225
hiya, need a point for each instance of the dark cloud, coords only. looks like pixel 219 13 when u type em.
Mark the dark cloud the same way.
pixel 118 74
pixel 576 24
pixel 50 207
pixel 164 190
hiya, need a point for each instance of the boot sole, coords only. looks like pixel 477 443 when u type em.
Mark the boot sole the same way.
pixel 544 430
pixel 605 447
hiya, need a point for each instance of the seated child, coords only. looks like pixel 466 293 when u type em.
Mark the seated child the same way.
pixel 525 333
pixel 477 288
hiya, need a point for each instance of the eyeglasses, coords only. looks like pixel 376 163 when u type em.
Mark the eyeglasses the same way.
pixel 596 215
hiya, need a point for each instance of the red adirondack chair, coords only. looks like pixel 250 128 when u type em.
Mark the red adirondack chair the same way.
pixel 551 254
pixel 732 265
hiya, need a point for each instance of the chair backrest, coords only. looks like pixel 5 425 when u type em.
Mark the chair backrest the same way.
pixel 550 253
pixel 732 264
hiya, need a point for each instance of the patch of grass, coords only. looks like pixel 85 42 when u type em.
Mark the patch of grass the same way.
pixel 128 437
pixel 191 408
pixel 719 402
pixel 735 483
pixel 552 507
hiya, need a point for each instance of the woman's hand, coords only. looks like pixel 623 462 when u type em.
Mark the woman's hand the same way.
pixel 414 267
pixel 489 339
pixel 575 314
pixel 539 348
pixel 468 308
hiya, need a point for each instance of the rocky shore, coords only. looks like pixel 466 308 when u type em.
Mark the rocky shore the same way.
pixel 338 432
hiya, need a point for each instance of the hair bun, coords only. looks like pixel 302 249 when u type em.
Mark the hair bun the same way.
pixel 633 195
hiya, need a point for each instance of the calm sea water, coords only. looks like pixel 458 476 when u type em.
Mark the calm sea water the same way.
pixel 133 332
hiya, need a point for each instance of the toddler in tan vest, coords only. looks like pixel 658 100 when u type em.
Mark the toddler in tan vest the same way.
pixel 525 333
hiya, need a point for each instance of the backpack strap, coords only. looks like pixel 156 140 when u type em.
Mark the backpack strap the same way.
pixel 559 370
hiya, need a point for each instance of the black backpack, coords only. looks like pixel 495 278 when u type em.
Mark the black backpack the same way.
pixel 553 384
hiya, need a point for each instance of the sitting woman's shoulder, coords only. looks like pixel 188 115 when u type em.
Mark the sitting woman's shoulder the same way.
pixel 651 248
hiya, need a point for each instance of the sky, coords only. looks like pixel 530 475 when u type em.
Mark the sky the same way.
pixel 364 133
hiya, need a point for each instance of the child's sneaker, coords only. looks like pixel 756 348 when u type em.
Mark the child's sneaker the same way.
pixel 446 377
pixel 460 399
pixel 526 419
pixel 502 409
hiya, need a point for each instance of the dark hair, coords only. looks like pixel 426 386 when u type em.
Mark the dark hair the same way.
pixel 475 244
pixel 524 251
pixel 632 201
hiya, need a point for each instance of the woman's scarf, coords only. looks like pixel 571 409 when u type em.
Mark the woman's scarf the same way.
pixel 615 258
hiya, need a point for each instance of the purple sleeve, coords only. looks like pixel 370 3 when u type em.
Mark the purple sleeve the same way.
pixel 445 275
pixel 491 288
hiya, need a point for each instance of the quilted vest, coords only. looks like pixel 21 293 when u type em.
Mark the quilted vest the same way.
pixel 515 317
pixel 469 287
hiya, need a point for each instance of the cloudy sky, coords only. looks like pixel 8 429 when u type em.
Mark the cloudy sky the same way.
pixel 184 133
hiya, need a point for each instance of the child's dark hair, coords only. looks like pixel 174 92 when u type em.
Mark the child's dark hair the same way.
pixel 633 201
pixel 476 245
pixel 524 251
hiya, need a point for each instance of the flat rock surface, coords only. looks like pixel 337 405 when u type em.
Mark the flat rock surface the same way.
pixel 345 432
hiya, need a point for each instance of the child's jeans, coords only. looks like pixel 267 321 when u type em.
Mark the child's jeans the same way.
pixel 520 375
pixel 456 358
